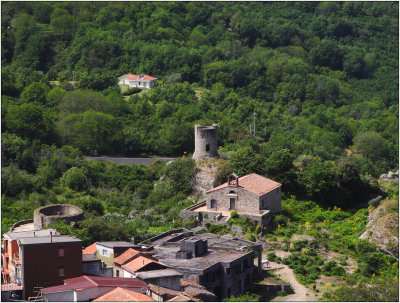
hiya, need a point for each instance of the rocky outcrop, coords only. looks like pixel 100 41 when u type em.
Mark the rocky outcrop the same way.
pixel 390 176
pixel 383 227
pixel 205 175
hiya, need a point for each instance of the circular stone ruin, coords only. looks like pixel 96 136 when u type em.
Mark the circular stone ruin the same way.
pixel 46 215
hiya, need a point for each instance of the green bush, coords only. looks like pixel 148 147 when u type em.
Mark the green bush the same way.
pixel 74 178
pixel 234 214
pixel 131 91
pixel 375 201
pixel 272 256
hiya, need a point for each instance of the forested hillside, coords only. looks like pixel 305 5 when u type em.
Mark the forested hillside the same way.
pixel 321 77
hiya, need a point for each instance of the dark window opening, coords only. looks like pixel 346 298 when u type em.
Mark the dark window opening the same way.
pixel 207 147
pixel 213 203
pixel 61 271
pixel 61 251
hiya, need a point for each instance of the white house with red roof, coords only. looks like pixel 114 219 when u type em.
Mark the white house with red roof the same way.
pixel 141 80
pixel 253 196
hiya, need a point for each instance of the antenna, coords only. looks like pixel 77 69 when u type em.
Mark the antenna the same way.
pixel 254 124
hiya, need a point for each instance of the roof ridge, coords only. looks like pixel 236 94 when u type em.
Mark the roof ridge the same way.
pixel 91 280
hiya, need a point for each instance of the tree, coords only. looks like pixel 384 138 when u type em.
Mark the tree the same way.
pixel 246 161
pixel 370 144
pixel 35 92
pixel 79 101
pixel 74 178
pixel 28 121
pixel 279 166
pixel 88 131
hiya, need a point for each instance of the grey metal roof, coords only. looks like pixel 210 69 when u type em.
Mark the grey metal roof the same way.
pixel 89 258
pixel 31 233
pixel 112 244
pixel 161 273
pixel 47 240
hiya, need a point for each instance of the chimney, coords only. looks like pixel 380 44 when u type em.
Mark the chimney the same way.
pixel 34 234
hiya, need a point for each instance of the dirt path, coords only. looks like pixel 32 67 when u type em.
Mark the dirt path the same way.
pixel 301 293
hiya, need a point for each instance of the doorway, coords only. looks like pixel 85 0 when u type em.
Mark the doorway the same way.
pixel 232 203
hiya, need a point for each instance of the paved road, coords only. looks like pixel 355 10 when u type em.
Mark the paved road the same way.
pixel 129 161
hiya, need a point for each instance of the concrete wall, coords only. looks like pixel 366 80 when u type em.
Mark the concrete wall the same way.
pixel 95 268
pixel 107 258
pixel 64 296
pixel 168 282
pixel 245 200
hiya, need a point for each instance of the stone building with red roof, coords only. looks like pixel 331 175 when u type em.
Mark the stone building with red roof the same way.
pixel 253 196
pixel 141 80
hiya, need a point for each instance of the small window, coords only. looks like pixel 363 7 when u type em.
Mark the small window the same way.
pixel 61 271
pixel 228 271
pixel 61 251
pixel 207 147
pixel 105 252
pixel 117 273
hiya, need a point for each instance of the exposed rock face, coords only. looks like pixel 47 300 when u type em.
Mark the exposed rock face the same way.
pixel 205 175
pixel 390 176
pixel 383 227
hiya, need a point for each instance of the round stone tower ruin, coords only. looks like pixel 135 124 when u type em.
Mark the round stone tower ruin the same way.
pixel 205 141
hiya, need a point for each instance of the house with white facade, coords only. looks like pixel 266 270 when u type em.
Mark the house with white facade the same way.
pixel 141 80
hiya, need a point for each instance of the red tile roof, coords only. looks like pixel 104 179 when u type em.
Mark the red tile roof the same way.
pixel 90 250
pixel 254 183
pixel 123 295
pixel 138 263
pixel 180 298
pixel 128 255
pixel 84 282
pixel 144 78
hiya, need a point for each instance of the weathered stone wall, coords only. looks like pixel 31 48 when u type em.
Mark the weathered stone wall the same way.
pixel 272 201
pixel 19 223
pixel 46 215
pixel 205 136
pixel 245 200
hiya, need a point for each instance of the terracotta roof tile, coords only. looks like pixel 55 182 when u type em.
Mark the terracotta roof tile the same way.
pixel 128 255
pixel 123 295
pixel 180 298
pixel 84 282
pixel 90 250
pixel 142 77
pixel 254 183
pixel 138 263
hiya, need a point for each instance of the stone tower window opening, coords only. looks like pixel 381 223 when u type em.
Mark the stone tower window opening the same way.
pixel 207 147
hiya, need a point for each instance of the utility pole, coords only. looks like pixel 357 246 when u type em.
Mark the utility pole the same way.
pixel 254 124
pixel 73 79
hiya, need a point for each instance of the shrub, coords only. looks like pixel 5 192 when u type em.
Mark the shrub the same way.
pixel 272 256
pixel 74 178
pixel 131 91
pixel 234 214
pixel 375 201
